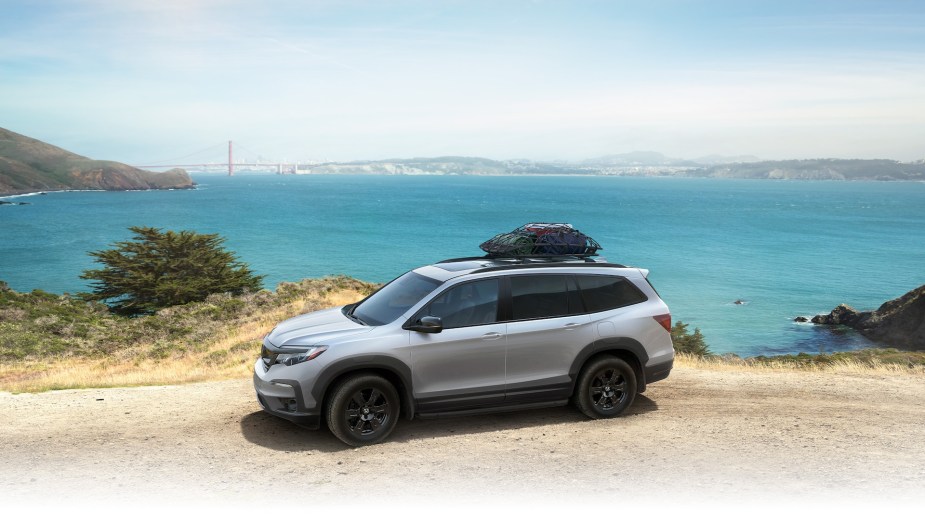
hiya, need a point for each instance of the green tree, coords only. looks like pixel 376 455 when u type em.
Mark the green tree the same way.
pixel 158 269
pixel 689 343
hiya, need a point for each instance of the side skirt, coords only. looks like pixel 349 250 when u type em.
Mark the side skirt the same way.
pixel 494 409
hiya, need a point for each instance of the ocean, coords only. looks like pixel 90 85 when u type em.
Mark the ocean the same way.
pixel 785 249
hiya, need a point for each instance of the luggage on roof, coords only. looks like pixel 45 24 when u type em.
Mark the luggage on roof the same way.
pixel 541 239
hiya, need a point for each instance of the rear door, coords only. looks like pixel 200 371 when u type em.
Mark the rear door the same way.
pixel 547 329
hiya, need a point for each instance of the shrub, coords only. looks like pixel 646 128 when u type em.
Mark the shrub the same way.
pixel 159 269
pixel 689 343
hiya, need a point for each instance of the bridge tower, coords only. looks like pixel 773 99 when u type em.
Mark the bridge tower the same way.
pixel 230 161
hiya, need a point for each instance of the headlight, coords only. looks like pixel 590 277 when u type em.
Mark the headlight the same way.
pixel 293 357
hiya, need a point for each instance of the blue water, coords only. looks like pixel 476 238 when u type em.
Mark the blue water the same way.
pixel 785 248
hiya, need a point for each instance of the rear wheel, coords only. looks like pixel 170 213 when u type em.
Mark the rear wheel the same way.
pixel 363 409
pixel 606 387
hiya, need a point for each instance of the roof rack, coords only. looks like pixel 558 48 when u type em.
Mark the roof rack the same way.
pixel 524 259
pixel 505 267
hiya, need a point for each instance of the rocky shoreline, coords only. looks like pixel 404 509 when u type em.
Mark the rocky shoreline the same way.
pixel 898 323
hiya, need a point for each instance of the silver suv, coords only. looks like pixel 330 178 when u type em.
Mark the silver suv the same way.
pixel 470 335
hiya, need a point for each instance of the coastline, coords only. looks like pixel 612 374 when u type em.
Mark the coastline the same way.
pixel 558 175
pixel 46 192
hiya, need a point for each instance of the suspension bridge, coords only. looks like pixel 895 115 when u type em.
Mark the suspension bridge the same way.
pixel 187 161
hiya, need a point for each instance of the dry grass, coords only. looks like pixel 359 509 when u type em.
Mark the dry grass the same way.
pixel 230 354
pixel 839 366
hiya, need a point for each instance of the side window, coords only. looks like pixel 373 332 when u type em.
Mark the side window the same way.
pixel 468 304
pixel 601 293
pixel 542 296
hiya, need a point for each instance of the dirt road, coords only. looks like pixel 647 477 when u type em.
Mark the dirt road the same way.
pixel 701 434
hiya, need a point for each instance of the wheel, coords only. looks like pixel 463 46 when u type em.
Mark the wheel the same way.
pixel 606 387
pixel 363 409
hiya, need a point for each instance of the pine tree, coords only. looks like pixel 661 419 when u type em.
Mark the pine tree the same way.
pixel 159 269
pixel 689 343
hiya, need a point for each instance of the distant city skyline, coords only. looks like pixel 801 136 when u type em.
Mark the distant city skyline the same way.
pixel 138 81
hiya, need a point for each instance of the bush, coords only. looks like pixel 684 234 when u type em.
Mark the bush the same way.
pixel 689 343
pixel 159 269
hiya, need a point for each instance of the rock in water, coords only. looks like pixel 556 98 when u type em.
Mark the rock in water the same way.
pixel 897 323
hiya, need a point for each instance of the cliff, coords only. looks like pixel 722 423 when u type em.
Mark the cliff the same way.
pixel 29 165
pixel 898 323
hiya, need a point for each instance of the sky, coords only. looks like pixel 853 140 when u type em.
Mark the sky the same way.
pixel 149 82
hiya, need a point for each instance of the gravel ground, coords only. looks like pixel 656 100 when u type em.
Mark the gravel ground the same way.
pixel 701 436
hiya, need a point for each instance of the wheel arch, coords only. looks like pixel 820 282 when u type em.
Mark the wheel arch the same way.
pixel 391 369
pixel 627 349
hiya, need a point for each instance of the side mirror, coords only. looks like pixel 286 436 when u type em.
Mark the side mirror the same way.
pixel 428 324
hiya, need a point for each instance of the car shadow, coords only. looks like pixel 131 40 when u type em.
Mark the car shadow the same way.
pixel 278 434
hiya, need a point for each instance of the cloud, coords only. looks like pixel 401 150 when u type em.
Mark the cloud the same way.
pixel 370 79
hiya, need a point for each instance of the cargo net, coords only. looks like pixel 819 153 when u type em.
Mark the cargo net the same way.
pixel 541 239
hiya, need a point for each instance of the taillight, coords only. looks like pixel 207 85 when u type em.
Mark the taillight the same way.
pixel 664 320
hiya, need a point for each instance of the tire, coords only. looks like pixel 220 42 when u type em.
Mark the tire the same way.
pixel 363 409
pixel 606 387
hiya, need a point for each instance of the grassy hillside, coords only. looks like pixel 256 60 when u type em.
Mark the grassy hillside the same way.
pixel 50 341
pixel 29 165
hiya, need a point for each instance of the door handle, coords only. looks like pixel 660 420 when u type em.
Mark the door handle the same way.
pixel 491 335
pixel 570 326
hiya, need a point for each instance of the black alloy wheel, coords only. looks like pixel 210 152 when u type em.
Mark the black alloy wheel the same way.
pixel 363 409
pixel 606 387
pixel 367 410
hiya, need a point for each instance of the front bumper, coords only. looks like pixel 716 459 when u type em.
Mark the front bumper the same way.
pixel 283 398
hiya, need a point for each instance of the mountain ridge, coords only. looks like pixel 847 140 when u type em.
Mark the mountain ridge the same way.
pixel 28 165
pixel 639 164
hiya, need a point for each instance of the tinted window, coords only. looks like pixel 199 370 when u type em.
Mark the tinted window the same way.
pixel 542 296
pixel 601 293
pixel 474 303
pixel 391 301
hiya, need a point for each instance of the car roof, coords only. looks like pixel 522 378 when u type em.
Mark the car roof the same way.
pixel 454 267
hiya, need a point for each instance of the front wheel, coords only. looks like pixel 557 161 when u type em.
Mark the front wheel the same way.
pixel 606 387
pixel 363 409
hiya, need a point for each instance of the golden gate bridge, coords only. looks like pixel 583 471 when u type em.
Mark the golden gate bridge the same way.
pixel 280 167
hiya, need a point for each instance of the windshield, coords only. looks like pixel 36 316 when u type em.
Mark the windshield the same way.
pixel 391 301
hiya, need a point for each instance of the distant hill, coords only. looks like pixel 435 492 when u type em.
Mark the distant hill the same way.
pixel 725 159
pixel 29 165
pixel 451 165
pixel 819 169
pixel 638 159
pixel 640 164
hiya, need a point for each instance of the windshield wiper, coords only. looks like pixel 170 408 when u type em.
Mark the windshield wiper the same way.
pixel 348 312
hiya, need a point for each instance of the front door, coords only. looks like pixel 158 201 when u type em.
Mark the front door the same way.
pixel 462 366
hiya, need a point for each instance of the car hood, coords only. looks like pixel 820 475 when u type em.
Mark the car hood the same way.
pixel 315 328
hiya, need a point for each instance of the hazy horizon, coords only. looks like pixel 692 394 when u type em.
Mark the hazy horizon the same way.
pixel 142 82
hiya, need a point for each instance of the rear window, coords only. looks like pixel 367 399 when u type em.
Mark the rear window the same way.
pixel 602 293
pixel 543 296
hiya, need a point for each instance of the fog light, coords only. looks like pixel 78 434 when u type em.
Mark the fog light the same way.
pixel 291 405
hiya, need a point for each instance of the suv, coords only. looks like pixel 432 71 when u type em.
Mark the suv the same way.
pixel 468 335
